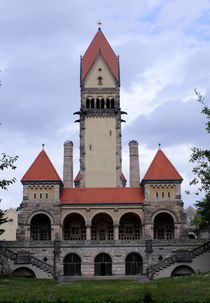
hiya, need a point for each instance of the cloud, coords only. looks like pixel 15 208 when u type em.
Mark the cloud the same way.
pixel 164 52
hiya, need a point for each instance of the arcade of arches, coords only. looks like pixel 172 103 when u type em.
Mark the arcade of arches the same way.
pixel 102 227
pixel 102 265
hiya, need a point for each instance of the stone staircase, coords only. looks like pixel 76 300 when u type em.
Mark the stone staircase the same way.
pixel 26 258
pixel 182 256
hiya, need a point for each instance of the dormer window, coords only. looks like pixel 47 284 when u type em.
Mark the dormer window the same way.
pixel 100 69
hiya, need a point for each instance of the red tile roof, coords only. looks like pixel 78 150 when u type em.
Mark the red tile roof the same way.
pixel 41 169
pixel 100 44
pixel 122 177
pixel 161 169
pixel 102 195
pixel 78 177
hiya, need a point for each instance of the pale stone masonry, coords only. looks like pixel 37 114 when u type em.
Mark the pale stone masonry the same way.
pixel 102 228
pixel 134 164
pixel 68 164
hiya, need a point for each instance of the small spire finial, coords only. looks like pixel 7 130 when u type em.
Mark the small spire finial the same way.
pixel 159 145
pixel 42 145
pixel 99 23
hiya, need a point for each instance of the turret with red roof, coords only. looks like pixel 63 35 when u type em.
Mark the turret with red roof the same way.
pixel 162 180
pixel 41 181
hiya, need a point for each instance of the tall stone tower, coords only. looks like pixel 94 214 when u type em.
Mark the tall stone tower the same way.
pixel 100 116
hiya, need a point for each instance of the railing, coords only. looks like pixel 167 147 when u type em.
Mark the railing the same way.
pixel 26 259
pixel 201 249
pixel 8 253
pixel 41 264
pixel 179 257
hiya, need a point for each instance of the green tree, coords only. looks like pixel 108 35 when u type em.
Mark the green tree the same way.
pixel 201 157
pixel 5 163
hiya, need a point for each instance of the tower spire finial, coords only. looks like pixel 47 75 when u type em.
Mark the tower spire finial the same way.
pixel 99 23
pixel 159 145
pixel 43 146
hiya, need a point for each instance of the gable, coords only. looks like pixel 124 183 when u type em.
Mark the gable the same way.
pixel 99 75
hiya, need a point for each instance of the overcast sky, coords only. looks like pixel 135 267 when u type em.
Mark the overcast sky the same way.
pixel 164 48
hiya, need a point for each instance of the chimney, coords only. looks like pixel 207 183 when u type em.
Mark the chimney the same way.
pixel 68 164
pixel 134 164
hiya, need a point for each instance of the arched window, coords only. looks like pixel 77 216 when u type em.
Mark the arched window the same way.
pixel 112 103
pixel 87 103
pixel 97 103
pixel 107 103
pixel 92 103
pixel 163 227
pixel 74 227
pixel 130 227
pixel 133 264
pixel 40 227
pixel 103 265
pixel 24 272
pixel 72 265
pixel 102 227
pixel 100 80
pixel 102 103
pixel 182 270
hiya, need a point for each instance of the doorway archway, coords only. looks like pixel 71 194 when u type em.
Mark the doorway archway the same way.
pixel 103 265
pixel 72 265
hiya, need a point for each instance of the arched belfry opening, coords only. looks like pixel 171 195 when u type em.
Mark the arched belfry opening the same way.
pixel 163 226
pixel 72 265
pixel 74 227
pixel 40 227
pixel 103 265
pixel 130 227
pixel 102 227
pixel 133 264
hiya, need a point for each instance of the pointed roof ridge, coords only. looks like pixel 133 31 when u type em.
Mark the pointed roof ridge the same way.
pixel 161 169
pixel 41 169
pixel 100 45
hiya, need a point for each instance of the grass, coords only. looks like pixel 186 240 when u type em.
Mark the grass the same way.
pixel 183 289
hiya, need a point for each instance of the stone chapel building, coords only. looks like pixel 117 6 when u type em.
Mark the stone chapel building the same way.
pixel 94 225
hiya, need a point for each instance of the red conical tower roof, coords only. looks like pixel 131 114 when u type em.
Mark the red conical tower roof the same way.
pixel 161 169
pixel 100 45
pixel 41 169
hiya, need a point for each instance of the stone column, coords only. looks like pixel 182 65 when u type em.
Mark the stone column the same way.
pixel 88 232
pixel 149 251
pixel 134 164
pixel 68 164
pixel 56 259
pixel 176 231
pixel 116 232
